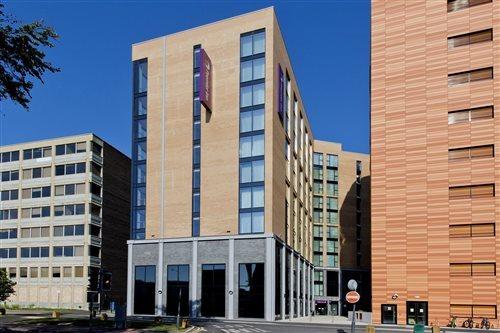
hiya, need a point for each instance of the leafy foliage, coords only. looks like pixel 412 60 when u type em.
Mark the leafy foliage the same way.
pixel 22 58
pixel 6 286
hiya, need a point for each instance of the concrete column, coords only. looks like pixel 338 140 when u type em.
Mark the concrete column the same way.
pixel 283 280
pixel 297 283
pixel 269 279
pixel 130 279
pixel 159 282
pixel 193 297
pixel 304 268
pixel 231 289
pixel 292 309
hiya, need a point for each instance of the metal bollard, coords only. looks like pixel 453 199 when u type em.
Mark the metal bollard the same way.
pixel 371 329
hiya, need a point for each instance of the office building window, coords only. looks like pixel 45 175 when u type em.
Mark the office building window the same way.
pixel 253 43
pixel 318 231
pixel 472 230
pixel 35 232
pixel 8 233
pixel 318 260
pixel 8 253
pixel 8 195
pixel 471 152
pixel 463 116
pixel 33 153
pixel 144 289
pixel 42 172
pixel 68 210
pixel 139 147
pixel 70 169
pixel 35 212
pixel 251 291
pixel 318 173
pixel 318 283
pixel 7 176
pixel 178 290
pixel 34 252
pixel 9 156
pixel 454 5
pixel 470 38
pixel 470 76
pixel 252 120
pixel 252 171
pixel 332 161
pixel 9 214
pixel 71 148
pixel 472 191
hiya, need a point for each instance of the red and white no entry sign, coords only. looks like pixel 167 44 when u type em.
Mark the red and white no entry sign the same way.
pixel 352 297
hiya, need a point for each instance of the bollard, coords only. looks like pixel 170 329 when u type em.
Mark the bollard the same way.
pixel 56 314
pixel 418 328
pixel 436 329
pixel 370 329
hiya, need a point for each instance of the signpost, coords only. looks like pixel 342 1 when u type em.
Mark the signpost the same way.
pixel 353 297
pixel 205 82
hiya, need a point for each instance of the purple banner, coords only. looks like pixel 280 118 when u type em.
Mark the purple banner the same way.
pixel 281 97
pixel 205 82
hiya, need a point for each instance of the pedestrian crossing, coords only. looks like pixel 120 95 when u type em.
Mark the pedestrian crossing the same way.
pixel 235 328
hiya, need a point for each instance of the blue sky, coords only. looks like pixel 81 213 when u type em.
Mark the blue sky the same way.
pixel 328 43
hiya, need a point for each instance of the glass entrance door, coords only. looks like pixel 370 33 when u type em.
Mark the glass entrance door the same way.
pixel 416 313
pixel 389 314
pixel 213 290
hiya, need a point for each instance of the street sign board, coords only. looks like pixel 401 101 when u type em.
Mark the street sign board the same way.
pixel 352 297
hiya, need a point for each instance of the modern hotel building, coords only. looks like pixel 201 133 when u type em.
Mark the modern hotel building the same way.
pixel 341 227
pixel 222 176
pixel 434 93
pixel 63 216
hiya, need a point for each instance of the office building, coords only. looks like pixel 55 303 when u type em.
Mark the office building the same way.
pixel 222 175
pixel 434 93
pixel 341 227
pixel 64 215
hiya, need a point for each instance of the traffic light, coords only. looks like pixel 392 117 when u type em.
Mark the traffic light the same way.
pixel 106 281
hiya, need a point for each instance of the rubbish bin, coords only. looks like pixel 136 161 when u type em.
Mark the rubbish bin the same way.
pixel 418 328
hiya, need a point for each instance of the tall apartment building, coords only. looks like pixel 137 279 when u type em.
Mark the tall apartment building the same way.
pixel 341 227
pixel 222 204
pixel 64 214
pixel 435 89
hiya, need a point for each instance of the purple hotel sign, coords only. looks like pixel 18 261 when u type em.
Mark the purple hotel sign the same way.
pixel 205 82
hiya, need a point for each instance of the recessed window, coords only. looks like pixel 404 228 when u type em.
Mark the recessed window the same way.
pixel 470 38
pixel 253 43
pixel 473 191
pixel 472 269
pixel 464 116
pixel 470 152
pixel 454 5
pixel 9 156
pixel 472 230
pixel 470 76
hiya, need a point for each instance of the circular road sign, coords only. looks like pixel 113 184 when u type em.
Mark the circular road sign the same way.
pixel 352 297
pixel 352 284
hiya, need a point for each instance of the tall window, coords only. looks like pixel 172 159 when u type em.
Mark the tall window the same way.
pixel 213 290
pixel 252 119
pixel 178 290
pixel 195 222
pixel 251 291
pixel 139 151
pixel 144 289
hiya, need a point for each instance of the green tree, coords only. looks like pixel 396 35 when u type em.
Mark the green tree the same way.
pixel 22 58
pixel 6 286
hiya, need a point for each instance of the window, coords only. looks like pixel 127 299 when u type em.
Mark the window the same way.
pixel 332 203
pixel 252 43
pixel 251 290
pixel 317 202
pixel 251 146
pixel 23 272
pixel 67 251
pixel 67 272
pixel 69 189
pixel 470 152
pixel 9 156
pixel 472 230
pixel 252 70
pixel 318 260
pixel 34 252
pixel 78 271
pixel 454 5
pixel 144 289
pixel 36 192
pixel 8 233
pixel 318 231
pixel 252 95
pixel 332 189
pixel 141 130
pixel 252 171
pixel 71 148
pixel 213 290
pixel 318 173
pixel 251 222
pixel 56 272
pixel 318 283
pixel 35 212
pixel 12 273
pixel 469 115
pixel 69 230
pixel 332 260
pixel 318 216
pixel 35 232
pixel 472 269
pixel 470 38
pixel 318 159
pixel 470 76
pixel 42 172
pixel 318 188
pixel 9 195
pixel 8 214
pixel 177 289
pixel 8 253
pixel 8 176
pixel 252 120
pixel 472 191
pixel 332 232
pixel 317 245
pixel 70 169
pixel 473 311
pixel 33 153
pixel 332 246
pixel 67 210
pixel 332 161
pixel 33 272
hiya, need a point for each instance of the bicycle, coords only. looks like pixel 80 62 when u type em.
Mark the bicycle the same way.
pixel 453 322
pixel 468 323
pixel 485 323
